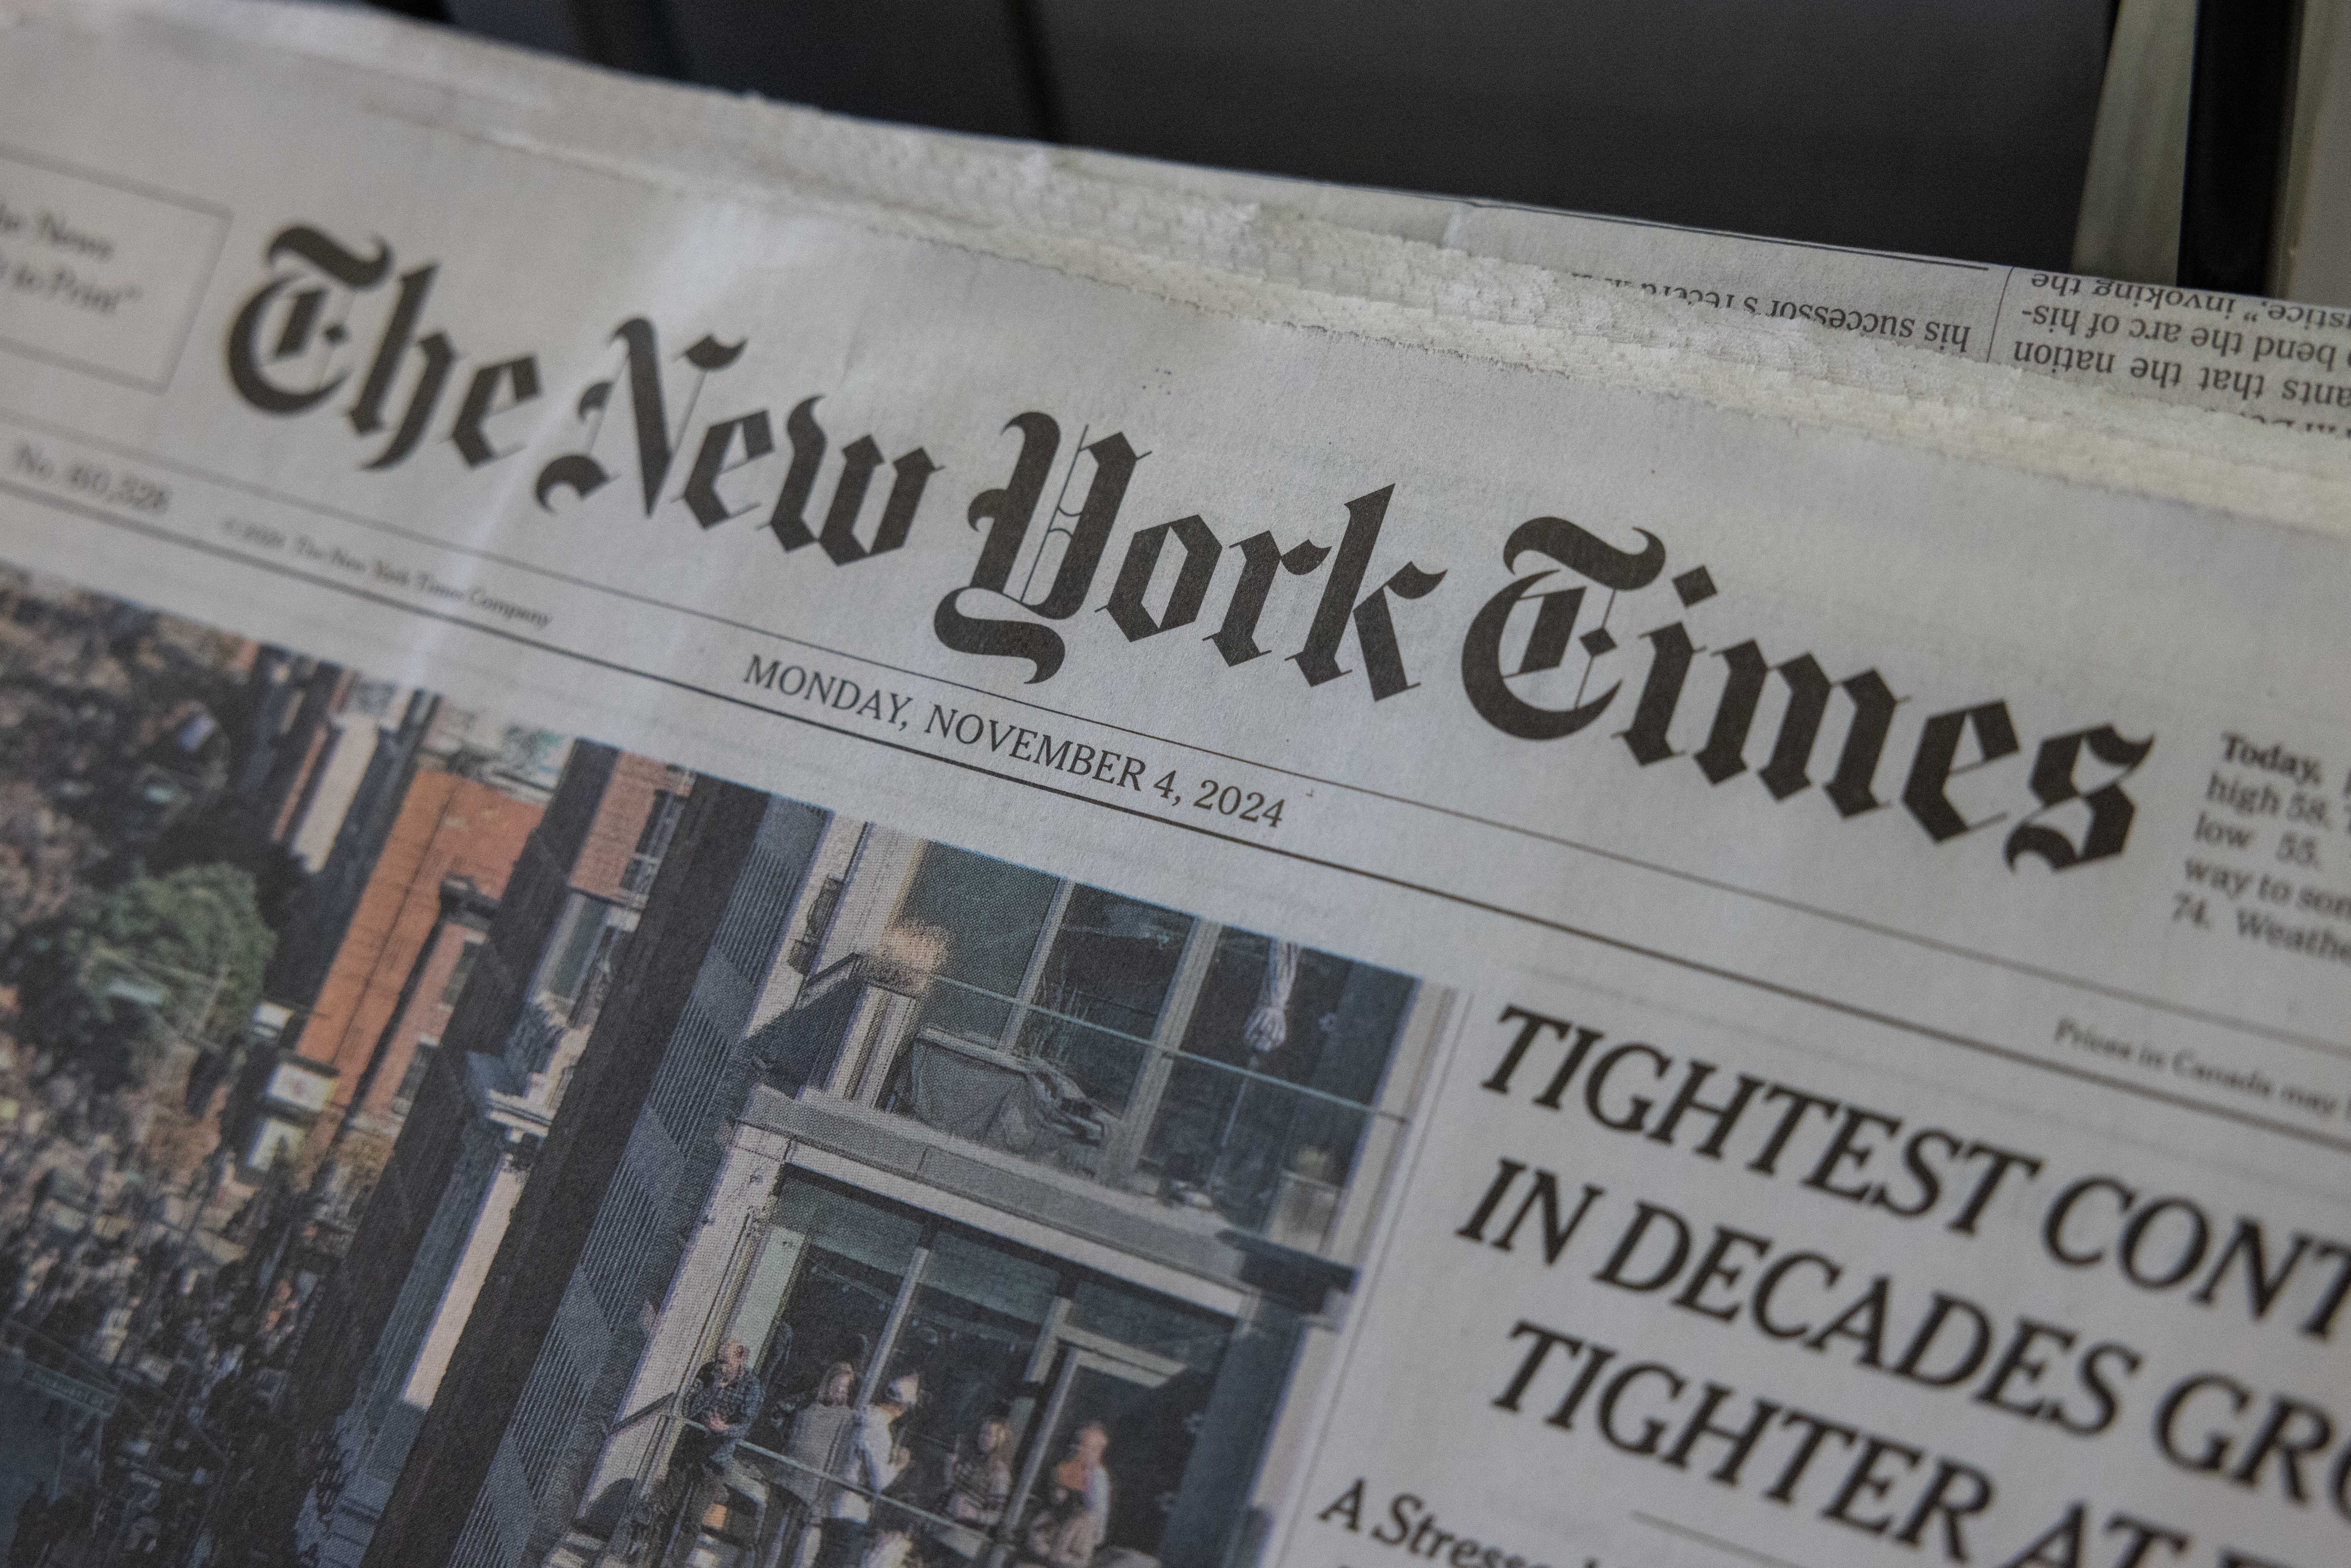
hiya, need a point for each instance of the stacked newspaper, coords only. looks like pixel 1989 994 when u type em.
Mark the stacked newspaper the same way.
pixel 732 837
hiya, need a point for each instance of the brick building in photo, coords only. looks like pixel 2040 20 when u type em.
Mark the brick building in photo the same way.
pixel 389 1317
pixel 329 759
pixel 388 993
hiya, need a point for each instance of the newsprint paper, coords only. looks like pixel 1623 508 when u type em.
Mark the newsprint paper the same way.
pixel 730 839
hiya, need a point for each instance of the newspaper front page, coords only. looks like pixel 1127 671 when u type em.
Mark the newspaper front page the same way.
pixel 735 839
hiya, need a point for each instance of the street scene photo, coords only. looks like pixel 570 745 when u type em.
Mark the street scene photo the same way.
pixel 428 1139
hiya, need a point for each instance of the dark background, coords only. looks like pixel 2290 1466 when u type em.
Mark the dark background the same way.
pixel 1956 128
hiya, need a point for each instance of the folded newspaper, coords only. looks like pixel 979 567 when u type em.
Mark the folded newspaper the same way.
pixel 733 839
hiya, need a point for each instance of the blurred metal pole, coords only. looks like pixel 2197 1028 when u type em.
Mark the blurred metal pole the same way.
pixel 2129 223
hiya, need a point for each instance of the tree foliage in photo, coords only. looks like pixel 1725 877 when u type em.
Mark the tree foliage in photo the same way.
pixel 108 984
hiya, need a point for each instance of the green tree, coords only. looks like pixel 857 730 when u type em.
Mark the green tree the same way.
pixel 110 983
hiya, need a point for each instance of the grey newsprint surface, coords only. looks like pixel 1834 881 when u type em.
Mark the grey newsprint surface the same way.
pixel 737 840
